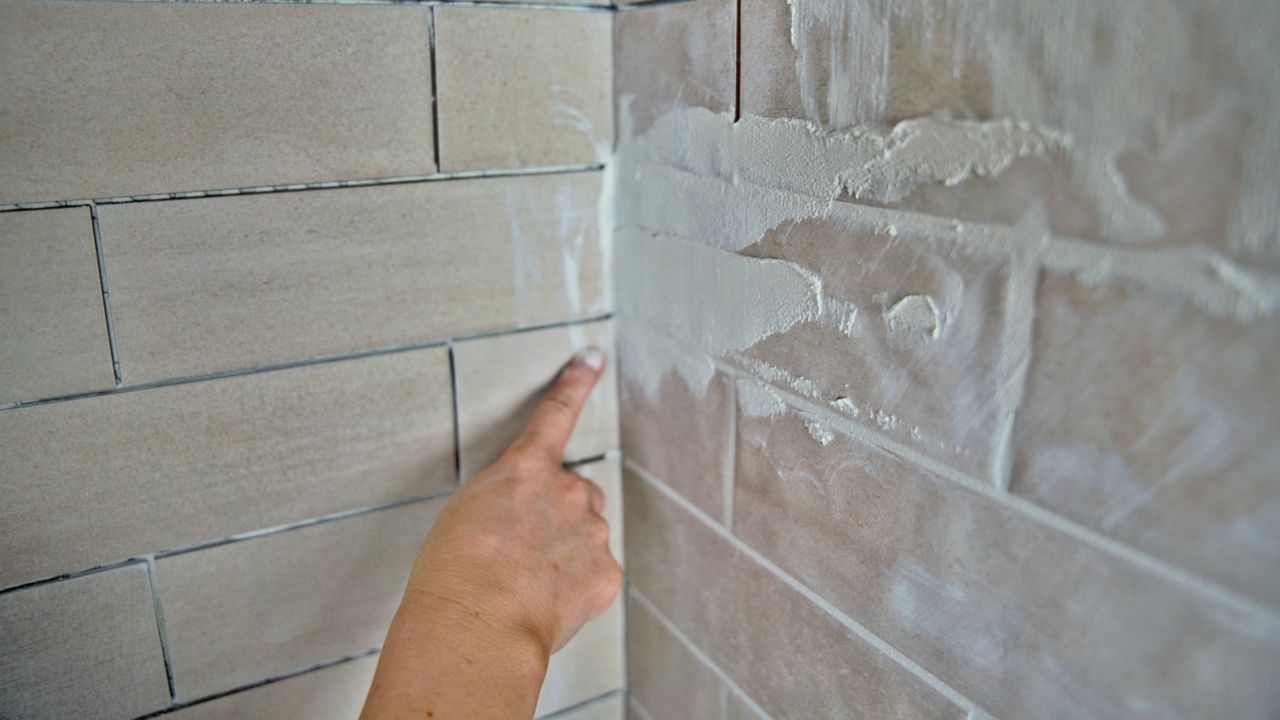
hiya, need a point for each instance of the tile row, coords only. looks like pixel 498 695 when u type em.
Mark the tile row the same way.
pixel 145 471
pixel 238 613
pixel 284 94
pixel 209 285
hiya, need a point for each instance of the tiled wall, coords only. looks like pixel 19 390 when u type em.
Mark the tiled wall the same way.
pixel 273 277
pixel 950 363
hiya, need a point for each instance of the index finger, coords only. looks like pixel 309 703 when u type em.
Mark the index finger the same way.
pixel 553 420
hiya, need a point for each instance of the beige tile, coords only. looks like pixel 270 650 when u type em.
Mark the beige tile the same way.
pixel 96 480
pixel 536 92
pixel 912 340
pixel 792 657
pixel 220 283
pixel 53 334
pixel 1156 423
pixel 1022 619
pixel 244 611
pixel 606 708
pixel 739 709
pixel 200 96
pixel 591 664
pixel 663 676
pixel 85 647
pixel 677 415
pixel 673 56
pixel 501 379
pixel 333 693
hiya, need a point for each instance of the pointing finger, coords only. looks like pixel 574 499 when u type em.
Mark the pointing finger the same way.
pixel 552 423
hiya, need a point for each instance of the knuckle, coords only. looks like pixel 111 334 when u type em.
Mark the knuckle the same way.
pixel 559 402
pixel 599 531
pixel 576 493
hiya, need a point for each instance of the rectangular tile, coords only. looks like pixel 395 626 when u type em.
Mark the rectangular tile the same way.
pixel 1155 422
pixel 213 284
pixel 664 677
pixel 592 663
pixel 53 331
pixel 536 92
pixel 100 479
pixel 791 656
pixel 674 56
pixel 333 693
pixel 501 379
pixel 84 647
pixel 912 339
pixel 677 415
pixel 1023 619
pixel 125 98
pixel 247 610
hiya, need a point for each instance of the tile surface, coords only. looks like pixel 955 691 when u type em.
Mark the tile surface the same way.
pixel 677 414
pixel 221 283
pixel 101 479
pixel 501 379
pixel 674 55
pixel 1166 441
pixel 334 693
pixel 591 663
pixel 792 657
pixel 247 610
pixel 536 92
pixel 1023 619
pixel 279 94
pixel 664 677
pixel 84 647
pixel 53 332
pixel 606 708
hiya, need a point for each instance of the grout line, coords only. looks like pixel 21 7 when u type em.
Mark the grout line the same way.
pixel 457 415
pixel 852 625
pixel 305 362
pixel 696 651
pixel 521 4
pixel 562 712
pixel 570 464
pixel 106 294
pixel 302 187
pixel 267 681
pixel 164 635
pixel 634 706
pixel 435 86
pixel 1250 610
pixel 624 7
pixel 105 567
pixel 737 64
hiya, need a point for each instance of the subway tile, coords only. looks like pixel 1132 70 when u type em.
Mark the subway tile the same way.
pixel 332 693
pixel 53 334
pixel 664 676
pixel 219 283
pixel 1155 423
pixel 1023 619
pixel 787 653
pixel 536 92
pixel 606 708
pixel 912 338
pixel 591 664
pixel 126 99
pixel 500 380
pixel 677 416
pixel 84 647
pixel 96 480
pixel 673 56
pixel 244 611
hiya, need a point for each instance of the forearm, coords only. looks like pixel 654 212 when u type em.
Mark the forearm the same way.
pixel 442 660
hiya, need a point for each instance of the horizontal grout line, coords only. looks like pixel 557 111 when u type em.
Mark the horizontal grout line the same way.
pixel 306 362
pixel 1255 612
pixel 633 593
pixel 105 567
pixel 571 464
pixel 849 623
pixel 268 681
pixel 300 187
pixel 624 7
pixel 582 704
pixel 518 4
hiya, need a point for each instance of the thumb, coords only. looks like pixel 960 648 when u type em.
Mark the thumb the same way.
pixel 553 420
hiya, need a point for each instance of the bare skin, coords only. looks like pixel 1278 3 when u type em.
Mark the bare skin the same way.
pixel 516 562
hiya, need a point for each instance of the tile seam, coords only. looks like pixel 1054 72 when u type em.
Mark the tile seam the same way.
pixel 634 705
pixel 305 362
pixel 435 86
pixel 457 415
pixel 300 187
pixel 518 4
pixel 863 633
pixel 158 606
pixel 562 712
pixel 106 292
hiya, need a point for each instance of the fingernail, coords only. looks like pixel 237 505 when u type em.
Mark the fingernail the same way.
pixel 592 357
